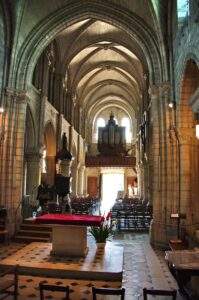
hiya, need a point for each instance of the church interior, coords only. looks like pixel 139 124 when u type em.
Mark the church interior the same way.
pixel 99 149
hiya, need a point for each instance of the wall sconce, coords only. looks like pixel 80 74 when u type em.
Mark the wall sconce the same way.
pixel 172 105
pixel 1 110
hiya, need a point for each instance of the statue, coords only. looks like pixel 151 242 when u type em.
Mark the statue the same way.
pixel 64 154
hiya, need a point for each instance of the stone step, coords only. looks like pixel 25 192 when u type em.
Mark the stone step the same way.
pixel 35 233
pixel 36 227
pixel 30 239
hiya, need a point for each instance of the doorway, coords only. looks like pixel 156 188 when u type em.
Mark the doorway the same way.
pixel 112 183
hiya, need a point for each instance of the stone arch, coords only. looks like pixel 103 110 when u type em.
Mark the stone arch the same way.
pixel 189 84
pixel 40 37
pixel 182 70
pixel 189 153
pixel 50 147
pixel 5 40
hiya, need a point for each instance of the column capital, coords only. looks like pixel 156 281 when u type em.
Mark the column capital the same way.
pixel 33 156
pixel 162 87
pixel 19 95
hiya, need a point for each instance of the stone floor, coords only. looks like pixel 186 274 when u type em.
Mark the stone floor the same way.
pixel 100 263
pixel 143 267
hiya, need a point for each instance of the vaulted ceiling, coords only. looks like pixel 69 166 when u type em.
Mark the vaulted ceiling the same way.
pixel 109 50
pixel 101 67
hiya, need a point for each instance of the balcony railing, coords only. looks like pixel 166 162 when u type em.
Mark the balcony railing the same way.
pixel 107 161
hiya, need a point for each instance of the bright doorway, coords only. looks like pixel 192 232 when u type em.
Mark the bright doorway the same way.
pixel 112 183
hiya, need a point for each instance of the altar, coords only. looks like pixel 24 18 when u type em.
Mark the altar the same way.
pixel 69 232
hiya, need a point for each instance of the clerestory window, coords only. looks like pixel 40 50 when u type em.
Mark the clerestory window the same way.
pixel 182 11
pixel 126 123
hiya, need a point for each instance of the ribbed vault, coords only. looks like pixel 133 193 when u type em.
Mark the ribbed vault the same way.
pixel 102 51
pixel 102 69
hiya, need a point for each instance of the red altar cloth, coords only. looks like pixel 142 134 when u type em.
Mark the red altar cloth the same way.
pixel 67 219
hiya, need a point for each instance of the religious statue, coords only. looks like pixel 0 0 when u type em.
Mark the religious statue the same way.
pixel 64 154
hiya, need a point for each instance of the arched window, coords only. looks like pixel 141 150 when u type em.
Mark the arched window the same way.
pixel 126 123
pixel 182 10
pixel 100 123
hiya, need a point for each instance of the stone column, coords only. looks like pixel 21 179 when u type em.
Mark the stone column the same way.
pixel 81 178
pixel 33 161
pixel 12 153
pixel 162 228
pixel 125 183
pixel 74 175
pixel 50 163
pixel 73 104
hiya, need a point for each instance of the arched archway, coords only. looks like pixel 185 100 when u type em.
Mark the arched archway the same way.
pixel 49 153
pixel 188 159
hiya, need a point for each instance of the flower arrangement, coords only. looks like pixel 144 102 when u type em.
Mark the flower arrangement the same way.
pixel 103 232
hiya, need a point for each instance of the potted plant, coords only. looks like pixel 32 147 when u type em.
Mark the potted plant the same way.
pixel 102 233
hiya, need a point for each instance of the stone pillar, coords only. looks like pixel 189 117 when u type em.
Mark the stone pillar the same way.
pixel 12 153
pixel 74 175
pixel 50 174
pixel 73 105
pixel 81 178
pixel 162 228
pixel 33 161
pixel 125 183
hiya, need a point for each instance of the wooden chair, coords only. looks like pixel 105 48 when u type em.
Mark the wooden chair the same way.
pixel 171 293
pixel 107 291
pixel 8 281
pixel 53 288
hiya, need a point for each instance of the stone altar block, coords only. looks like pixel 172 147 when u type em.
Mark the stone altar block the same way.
pixel 69 240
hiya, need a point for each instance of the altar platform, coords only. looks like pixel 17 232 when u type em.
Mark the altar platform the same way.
pixel 99 264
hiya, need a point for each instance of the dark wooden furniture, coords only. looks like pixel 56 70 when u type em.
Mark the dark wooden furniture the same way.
pixel 3 230
pixel 53 288
pixel 178 245
pixel 108 291
pixel 153 292
pixel 184 264
pixel 8 280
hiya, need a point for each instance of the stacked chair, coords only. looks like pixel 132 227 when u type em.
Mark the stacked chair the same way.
pixel 84 205
pixel 132 214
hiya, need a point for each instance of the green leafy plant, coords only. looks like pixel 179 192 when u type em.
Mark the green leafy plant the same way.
pixel 101 233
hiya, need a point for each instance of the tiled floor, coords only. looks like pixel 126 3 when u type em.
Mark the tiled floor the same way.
pixel 143 267
pixel 100 263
